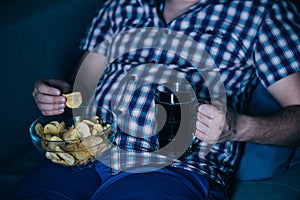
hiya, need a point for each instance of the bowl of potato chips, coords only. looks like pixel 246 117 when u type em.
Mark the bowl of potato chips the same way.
pixel 75 139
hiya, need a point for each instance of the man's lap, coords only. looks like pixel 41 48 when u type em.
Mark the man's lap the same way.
pixel 52 181
pixel 162 184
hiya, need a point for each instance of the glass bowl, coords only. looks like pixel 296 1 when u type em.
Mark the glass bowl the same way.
pixel 77 138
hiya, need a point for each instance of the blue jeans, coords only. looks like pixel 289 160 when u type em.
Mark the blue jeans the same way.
pixel 52 181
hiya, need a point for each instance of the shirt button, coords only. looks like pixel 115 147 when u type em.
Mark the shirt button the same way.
pixel 132 78
pixel 209 31
pixel 118 112
pixel 166 32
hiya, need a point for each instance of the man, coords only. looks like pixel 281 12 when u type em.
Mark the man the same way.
pixel 248 41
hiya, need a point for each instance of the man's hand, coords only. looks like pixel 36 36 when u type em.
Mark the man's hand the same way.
pixel 216 123
pixel 47 95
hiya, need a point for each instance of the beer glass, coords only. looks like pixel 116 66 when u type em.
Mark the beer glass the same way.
pixel 175 111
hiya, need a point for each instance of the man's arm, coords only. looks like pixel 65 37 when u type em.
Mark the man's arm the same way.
pixel 281 128
pixel 90 70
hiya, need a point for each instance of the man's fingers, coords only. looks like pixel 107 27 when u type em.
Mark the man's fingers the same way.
pixel 52 87
pixel 206 110
pixel 209 124
pixel 50 107
pixel 63 86
pixel 204 119
pixel 42 87
pixel 47 95
pixel 200 134
pixel 204 137
pixel 52 112
pixel 42 98
pixel 202 127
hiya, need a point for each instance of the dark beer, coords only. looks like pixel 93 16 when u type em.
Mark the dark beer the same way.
pixel 175 117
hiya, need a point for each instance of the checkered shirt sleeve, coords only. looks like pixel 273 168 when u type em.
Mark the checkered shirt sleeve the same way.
pixel 277 51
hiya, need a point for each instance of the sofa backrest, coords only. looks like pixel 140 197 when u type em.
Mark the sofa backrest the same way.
pixel 38 39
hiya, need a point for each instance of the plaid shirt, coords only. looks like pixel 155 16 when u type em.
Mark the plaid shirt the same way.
pixel 248 41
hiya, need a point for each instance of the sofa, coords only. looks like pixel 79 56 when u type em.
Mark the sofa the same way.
pixel 40 39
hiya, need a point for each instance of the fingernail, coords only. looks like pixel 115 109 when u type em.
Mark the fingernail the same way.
pixel 62 100
pixel 60 106
pixel 61 111
pixel 56 92
pixel 197 123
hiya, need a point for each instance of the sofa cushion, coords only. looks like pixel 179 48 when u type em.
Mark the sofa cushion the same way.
pixel 15 168
pixel 295 158
pixel 285 186
pixel 263 161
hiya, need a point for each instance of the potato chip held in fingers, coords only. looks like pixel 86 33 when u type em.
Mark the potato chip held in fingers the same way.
pixel 74 99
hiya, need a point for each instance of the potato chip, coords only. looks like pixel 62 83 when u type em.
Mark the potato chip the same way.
pixel 54 142
pixel 61 127
pixel 91 144
pixel 74 99
pixel 47 136
pixel 55 123
pixel 83 129
pixel 72 134
pixel 68 158
pixel 50 129
pixel 95 119
pixel 98 127
pixel 70 146
pixel 82 155
pixel 53 157
pixel 94 131
pixel 88 122
pixel 39 129
pixel 92 141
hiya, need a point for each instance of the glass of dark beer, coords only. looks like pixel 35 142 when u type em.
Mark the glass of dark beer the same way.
pixel 175 111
